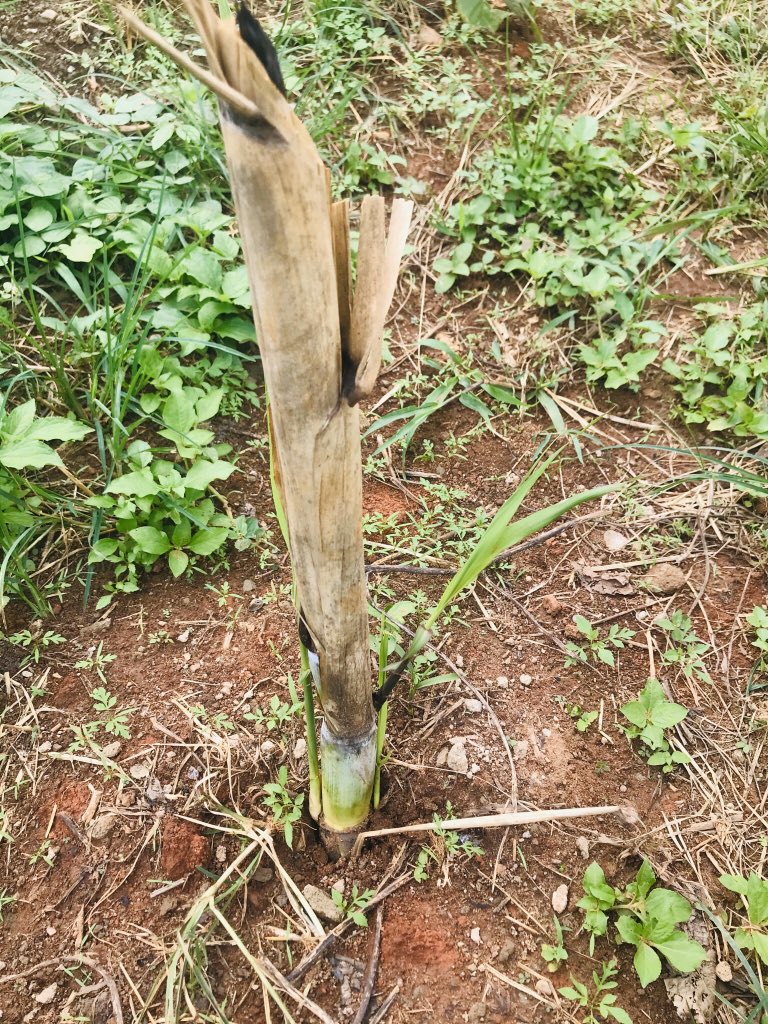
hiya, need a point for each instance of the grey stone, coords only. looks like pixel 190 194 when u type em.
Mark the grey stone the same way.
pixel 322 905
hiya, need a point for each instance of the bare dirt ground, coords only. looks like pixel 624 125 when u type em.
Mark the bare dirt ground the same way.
pixel 134 837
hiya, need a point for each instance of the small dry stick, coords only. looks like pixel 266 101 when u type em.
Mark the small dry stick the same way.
pixel 488 821
pixel 369 979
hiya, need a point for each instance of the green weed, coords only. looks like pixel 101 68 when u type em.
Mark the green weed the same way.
pixel 650 716
pixel 647 917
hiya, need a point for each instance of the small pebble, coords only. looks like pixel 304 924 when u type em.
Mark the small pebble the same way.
pixel 102 826
pixel 45 747
pixel 526 680
pixel 544 987
pixel 473 706
pixel 111 750
pixel 138 771
pixel 47 995
pixel 723 971
pixel 322 904
pixel 268 747
pixel 476 1013
pixel 183 636
pixel 582 845
pixel 221 854
pixel 457 759
pixel 48 15
pixel 248 586
pixel 502 682
pixel 507 951
pixel 560 899
pixel 459 661
pixel 475 936
pixel 300 749
pixel 50 930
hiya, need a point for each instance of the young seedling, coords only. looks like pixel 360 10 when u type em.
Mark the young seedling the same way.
pixel 685 649
pixel 116 723
pixel 582 719
pixel 285 808
pixel 599 647
pixel 5 901
pixel 555 953
pixel 754 933
pixel 650 716
pixel 647 918
pixel 446 847
pixel 35 644
pixel 99 661
pixel 600 1005
pixel 353 907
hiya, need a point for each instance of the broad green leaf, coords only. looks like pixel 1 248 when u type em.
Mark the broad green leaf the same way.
pixel 480 14
pixel 151 540
pixel 683 953
pixel 667 907
pixel 204 266
pixel 667 715
pixel 179 411
pixel 647 964
pixel 182 533
pixel 178 562
pixel 629 929
pixel 40 216
pixel 757 899
pixel 635 713
pixel 58 428
pixel 206 541
pixel 28 246
pixel 203 473
pixel 139 484
pixel 27 453
pixel 584 128
pixel 760 945
pixel 17 422
pixel 81 249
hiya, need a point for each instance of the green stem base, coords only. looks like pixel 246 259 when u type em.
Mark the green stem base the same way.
pixel 348 770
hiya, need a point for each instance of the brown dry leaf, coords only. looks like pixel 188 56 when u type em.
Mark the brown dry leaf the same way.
pixel 613 583
pixel 693 996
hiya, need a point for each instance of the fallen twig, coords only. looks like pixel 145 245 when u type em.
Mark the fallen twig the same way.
pixel 488 821
pixel 369 978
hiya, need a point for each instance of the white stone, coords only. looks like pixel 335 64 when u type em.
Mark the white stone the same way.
pixel 544 987
pixel 47 995
pixel 102 826
pixel 322 905
pixel 723 971
pixel 138 771
pixel 582 845
pixel 560 899
pixel 300 749
pixel 614 541
pixel 475 936
pixel 112 749
pixel 502 682
pixel 473 706
pixel 457 759
pixel 48 15
pixel 526 680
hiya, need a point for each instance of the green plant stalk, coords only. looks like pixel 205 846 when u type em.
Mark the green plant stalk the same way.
pixel 315 791
pixel 381 733
pixel 349 768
